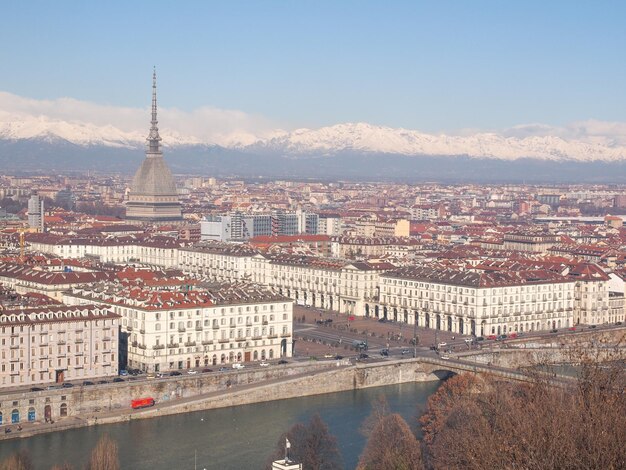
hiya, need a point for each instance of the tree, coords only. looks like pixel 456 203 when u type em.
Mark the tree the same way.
pixel 19 460
pixel 104 456
pixel 63 466
pixel 476 423
pixel 391 446
pixel 312 445
pixel 380 409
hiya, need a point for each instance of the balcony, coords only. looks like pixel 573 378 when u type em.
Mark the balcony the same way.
pixel 265 323
pixel 78 340
pixel 199 328
pixel 15 346
pixel 182 329
pixel 216 327
pixel 129 328
pixel 188 344
pixel 221 341
pixel 285 335
pixel 61 342
pixel 206 342
pixel 134 344
pixel 142 346
pixel 158 346
pixel 272 336
pixel 142 332
pixel 172 345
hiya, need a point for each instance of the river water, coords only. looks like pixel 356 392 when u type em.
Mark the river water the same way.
pixel 238 438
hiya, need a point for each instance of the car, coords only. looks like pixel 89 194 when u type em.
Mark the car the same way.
pixel 382 320
pixel 468 340
pixel 123 372
pixel 405 351
pixel 618 323
pixel 384 352
pixel 337 357
pixel 101 382
pixel 223 369
pixel 36 389
pixel 363 356
pixel 501 337
pixel 480 338
pixel 593 326
pixel 133 378
pixel 88 382
pixel 513 335
pixel 441 345
pixel 159 375
pixel 67 385
pixel 192 372
pixel 150 376
pixel 205 370
pixel 444 356
pixel 53 387
pixel 174 373
pixel 328 356
pixel 282 361
pixel 118 380
pixel 238 365
pixel 491 337
pixel 572 328
pixel 554 330
pixel 264 364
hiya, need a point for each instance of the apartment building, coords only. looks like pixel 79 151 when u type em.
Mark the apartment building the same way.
pixel 53 344
pixel 169 327
pixel 479 303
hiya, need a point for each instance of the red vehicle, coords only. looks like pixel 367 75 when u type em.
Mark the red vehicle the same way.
pixel 141 403
pixel 491 337
pixel 513 335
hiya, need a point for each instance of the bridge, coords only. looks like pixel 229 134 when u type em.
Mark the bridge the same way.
pixel 443 368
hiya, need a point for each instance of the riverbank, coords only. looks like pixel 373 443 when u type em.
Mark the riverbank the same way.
pixel 298 381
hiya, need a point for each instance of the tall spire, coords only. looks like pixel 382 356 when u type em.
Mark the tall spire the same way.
pixel 154 138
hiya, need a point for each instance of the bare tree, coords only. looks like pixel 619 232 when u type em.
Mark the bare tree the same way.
pixel 312 445
pixel 380 409
pixel 104 456
pixel 19 460
pixel 391 446
pixel 63 466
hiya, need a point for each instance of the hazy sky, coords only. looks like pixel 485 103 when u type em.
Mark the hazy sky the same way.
pixel 432 66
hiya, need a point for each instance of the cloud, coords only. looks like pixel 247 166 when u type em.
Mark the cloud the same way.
pixel 205 124
pixel 610 134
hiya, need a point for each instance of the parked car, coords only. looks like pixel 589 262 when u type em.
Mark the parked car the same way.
pixel 223 369
pixel 384 352
pixel 204 371
pixel 67 385
pixel 150 376
pixel 118 380
pixel 480 338
pixel 363 356
pixel 238 365
pixel 174 373
pixel 264 364
pixel 101 382
pixel 593 326
pixel 382 320
pixel 444 356
pixel 88 382
pixel 491 337
pixel 192 372
pixel 36 389
pixel 554 330
pixel 337 357
pixel 405 351
pixel 282 361
pixel 123 372
pixel 328 356
pixel 513 335
pixel 442 345
pixel 501 337
pixel 618 323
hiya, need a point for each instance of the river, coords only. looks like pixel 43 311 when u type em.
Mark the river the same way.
pixel 230 438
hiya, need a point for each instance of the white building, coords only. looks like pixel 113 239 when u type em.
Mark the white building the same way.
pixel 184 326
pixel 479 303
pixel 58 343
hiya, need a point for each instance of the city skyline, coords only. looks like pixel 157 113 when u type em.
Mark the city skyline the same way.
pixel 250 69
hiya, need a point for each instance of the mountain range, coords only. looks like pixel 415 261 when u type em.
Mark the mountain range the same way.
pixel 351 150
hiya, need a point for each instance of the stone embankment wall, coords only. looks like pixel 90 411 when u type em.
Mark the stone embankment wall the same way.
pixel 111 402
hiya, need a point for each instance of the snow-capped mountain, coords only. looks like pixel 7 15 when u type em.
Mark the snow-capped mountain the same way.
pixel 329 141
pixel 363 137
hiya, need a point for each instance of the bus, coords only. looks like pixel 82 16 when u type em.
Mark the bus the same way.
pixel 141 403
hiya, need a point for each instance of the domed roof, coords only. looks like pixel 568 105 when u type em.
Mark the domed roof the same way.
pixel 154 178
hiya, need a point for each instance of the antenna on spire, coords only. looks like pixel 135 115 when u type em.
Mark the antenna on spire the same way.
pixel 154 138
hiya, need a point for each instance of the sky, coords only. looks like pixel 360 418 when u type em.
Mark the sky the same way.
pixel 434 66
